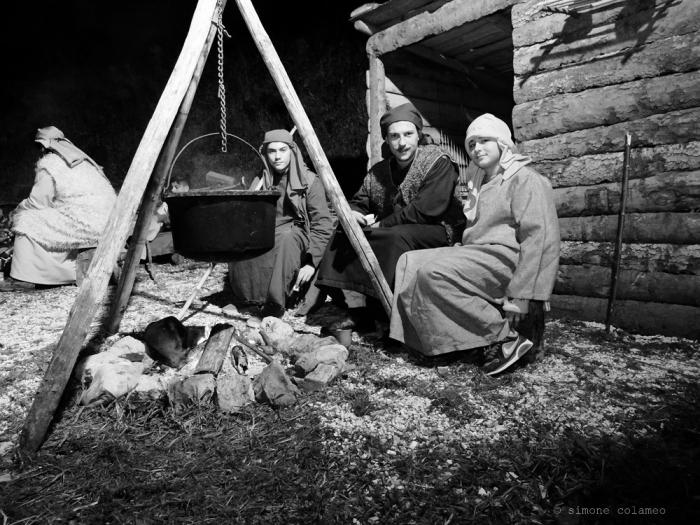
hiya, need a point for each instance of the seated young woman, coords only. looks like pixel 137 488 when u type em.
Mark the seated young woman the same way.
pixel 476 293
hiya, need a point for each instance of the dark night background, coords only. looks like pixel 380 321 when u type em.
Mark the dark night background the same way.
pixel 97 69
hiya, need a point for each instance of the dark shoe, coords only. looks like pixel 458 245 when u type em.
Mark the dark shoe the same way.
pixel 390 345
pixel 312 301
pixel 357 319
pixel 268 310
pixel 272 310
pixel 13 285
pixel 362 319
pixel 502 355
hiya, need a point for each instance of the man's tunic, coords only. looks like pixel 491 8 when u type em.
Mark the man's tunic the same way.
pixel 412 206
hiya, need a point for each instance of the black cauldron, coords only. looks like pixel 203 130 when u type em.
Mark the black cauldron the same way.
pixel 222 225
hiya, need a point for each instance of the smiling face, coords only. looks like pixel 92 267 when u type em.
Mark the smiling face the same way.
pixel 403 137
pixel 485 153
pixel 279 154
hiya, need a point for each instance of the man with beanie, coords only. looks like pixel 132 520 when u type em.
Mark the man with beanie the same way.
pixel 407 202
pixel 67 210
pixel 302 229
pixel 484 292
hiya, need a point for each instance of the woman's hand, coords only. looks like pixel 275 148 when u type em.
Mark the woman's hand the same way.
pixel 305 274
pixel 515 309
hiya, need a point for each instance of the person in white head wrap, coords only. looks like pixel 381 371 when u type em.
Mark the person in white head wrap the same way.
pixel 67 209
pixel 477 294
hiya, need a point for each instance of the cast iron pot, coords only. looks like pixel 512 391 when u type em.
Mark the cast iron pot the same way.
pixel 223 225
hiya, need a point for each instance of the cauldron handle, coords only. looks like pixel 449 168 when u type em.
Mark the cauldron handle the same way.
pixel 170 171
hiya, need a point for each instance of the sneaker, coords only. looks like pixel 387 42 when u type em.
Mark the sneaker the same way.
pixel 506 353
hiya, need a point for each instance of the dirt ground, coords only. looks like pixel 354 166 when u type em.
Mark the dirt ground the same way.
pixel 599 430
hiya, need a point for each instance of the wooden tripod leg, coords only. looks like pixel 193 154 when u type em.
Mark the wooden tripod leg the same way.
pixel 149 202
pixel 195 291
pixel 313 147
pixel 92 292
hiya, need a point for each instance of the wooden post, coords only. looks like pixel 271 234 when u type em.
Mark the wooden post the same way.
pixel 296 110
pixel 620 230
pixel 155 186
pixel 377 106
pixel 113 238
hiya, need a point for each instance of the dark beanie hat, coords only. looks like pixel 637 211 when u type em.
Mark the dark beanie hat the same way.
pixel 406 112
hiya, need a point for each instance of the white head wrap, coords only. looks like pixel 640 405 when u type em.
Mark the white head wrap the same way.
pixel 491 127
pixel 53 139
pixel 510 162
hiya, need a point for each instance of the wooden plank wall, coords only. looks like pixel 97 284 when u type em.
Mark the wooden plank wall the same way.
pixel 580 84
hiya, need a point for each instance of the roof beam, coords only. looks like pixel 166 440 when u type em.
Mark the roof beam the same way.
pixel 481 78
pixel 477 76
pixel 383 14
pixel 425 25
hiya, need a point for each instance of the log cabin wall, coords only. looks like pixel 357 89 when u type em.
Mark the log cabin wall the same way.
pixel 581 82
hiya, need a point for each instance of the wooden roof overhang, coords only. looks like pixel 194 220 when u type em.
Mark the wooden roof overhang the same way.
pixel 473 38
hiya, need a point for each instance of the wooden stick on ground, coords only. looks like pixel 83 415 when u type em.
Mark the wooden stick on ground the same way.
pixel 194 292
pixel 112 240
pixel 215 351
pixel 245 343
pixel 296 110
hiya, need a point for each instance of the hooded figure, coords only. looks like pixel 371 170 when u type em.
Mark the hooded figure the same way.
pixel 478 294
pixel 302 229
pixel 407 202
pixel 67 210
pixel 297 175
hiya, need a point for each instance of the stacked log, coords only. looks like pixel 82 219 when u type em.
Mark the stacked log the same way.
pixel 583 82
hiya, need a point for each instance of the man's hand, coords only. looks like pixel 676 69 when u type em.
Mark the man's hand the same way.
pixel 304 276
pixel 361 219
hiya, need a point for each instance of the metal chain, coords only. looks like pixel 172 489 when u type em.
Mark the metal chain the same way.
pixel 222 86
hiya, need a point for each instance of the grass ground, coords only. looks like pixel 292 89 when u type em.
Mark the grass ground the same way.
pixel 600 430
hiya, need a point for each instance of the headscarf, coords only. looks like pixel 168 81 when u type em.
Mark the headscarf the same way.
pixel 510 162
pixel 406 112
pixel 54 140
pixel 296 181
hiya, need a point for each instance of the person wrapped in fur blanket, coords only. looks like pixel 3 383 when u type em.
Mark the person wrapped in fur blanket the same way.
pixel 481 292
pixel 67 210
